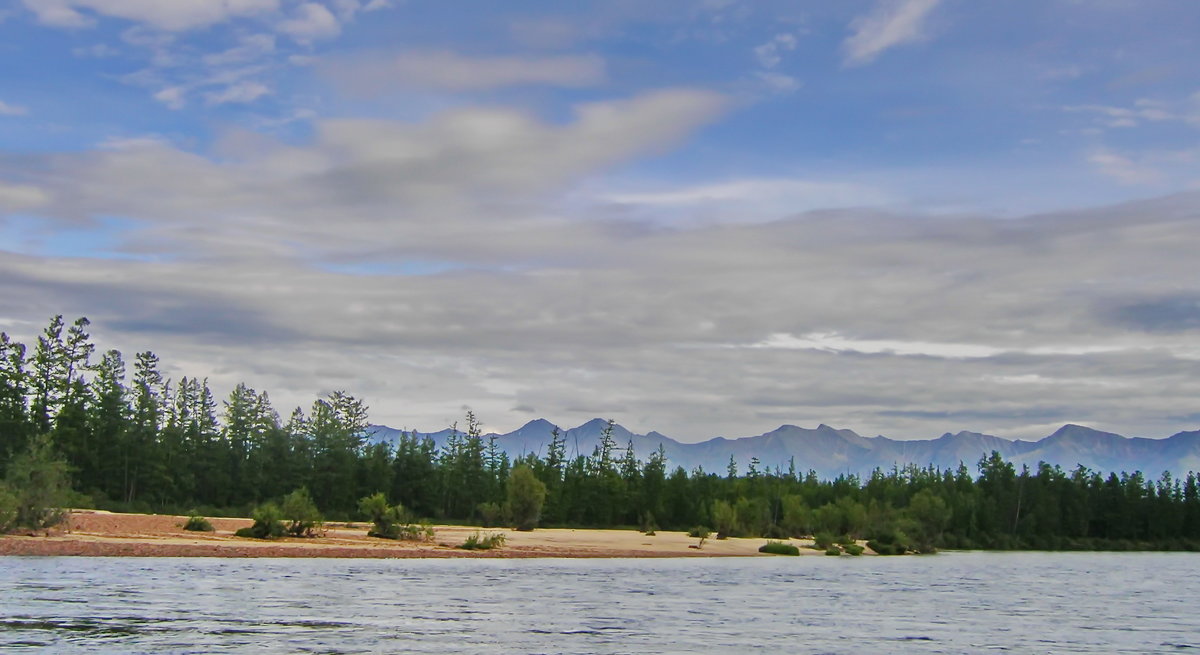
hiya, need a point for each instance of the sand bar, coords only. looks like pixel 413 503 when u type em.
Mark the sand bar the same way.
pixel 106 534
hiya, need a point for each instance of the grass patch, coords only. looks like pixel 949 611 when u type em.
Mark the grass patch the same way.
pixel 196 523
pixel 481 542
pixel 778 548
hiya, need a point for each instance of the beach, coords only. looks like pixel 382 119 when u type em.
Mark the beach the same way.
pixel 108 534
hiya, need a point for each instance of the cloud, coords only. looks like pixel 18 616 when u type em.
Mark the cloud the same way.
pixel 240 93
pixel 1122 168
pixel 18 197
pixel 173 97
pixel 12 110
pixel 778 82
pixel 172 15
pixel 889 24
pixel 250 48
pixel 310 22
pixel 907 326
pixel 449 71
pixel 749 200
pixel 97 51
pixel 770 53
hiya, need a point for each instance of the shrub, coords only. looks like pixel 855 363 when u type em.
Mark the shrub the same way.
pixel 197 523
pixel 778 548
pixel 884 548
pixel 699 532
pixel 526 494
pixel 37 479
pixel 477 542
pixel 823 540
pixel 8 509
pixel 268 523
pixel 889 541
pixel 833 551
pixel 853 549
pixel 489 514
pixel 725 517
pixel 392 522
pixel 648 525
pixel 299 510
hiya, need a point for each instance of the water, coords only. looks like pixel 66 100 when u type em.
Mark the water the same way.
pixel 950 603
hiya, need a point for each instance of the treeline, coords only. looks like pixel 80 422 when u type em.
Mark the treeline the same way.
pixel 145 443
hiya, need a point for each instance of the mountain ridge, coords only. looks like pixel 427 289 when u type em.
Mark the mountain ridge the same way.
pixel 832 451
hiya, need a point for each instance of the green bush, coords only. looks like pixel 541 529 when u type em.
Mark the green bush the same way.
pixel 833 551
pixel 8 509
pixel 699 532
pixel 884 548
pixel 300 512
pixel 489 514
pixel 38 480
pixel 197 523
pixel 526 495
pixel 268 523
pixel 853 549
pixel 823 540
pixel 778 548
pixel 392 521
pixel 477 542
pixel 725 517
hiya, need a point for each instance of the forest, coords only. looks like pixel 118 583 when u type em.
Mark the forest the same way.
pixel 143 442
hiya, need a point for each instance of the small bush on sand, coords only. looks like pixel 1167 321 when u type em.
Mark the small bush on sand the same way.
pixel 490 514
pixel 853 549
pixel 268 523
pixel 300 512
pixel 392 521
pixel 699 532
pixel 197 523
pixel 478 542
pixel 823 540
pixel 833 551
pixel 8 509
pixel 778 548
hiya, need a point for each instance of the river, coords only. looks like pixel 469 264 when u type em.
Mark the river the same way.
pixel 948 603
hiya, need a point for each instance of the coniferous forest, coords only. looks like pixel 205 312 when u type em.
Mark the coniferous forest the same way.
pixel 133 440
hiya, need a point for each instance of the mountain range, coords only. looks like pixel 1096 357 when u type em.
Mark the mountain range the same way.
pixel 831 452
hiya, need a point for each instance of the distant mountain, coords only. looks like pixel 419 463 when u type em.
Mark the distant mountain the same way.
pixel 832 452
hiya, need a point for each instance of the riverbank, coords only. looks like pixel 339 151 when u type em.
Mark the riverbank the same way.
pixel 106 534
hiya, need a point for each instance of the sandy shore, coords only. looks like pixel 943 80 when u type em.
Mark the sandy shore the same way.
pixel 105 534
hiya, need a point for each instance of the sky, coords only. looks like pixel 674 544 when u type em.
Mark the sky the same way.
pixel 702 217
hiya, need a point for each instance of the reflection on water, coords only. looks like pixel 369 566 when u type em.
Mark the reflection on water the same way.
pixel 951 603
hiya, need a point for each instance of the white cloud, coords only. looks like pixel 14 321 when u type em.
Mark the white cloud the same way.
pixel 12 110
pixel 310 22
pixel 454 72
pixel 1122 168
pixel 346 9
pixel 18 197
pixel 770 53
pixel 751 200
pixel 97 51
pixel 170 15
pixel 889 24
pixel 778 83
pixel 173 97
pixel 836 343
pixel 240 93
pixel 250 48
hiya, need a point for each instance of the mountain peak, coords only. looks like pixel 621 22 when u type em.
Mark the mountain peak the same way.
pixel 537 424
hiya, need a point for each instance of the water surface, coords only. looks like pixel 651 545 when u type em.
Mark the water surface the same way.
pixel 950 603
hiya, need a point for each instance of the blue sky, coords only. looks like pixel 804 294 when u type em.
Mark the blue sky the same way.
pixel 702 217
